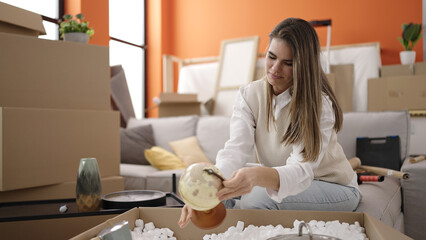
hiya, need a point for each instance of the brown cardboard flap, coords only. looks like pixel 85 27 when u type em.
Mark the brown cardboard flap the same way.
pixel 331 77
pixel 376 229
pixel 178 109
pixel 19 18
pixel 177 97
pixel 344 85
pixel 55 228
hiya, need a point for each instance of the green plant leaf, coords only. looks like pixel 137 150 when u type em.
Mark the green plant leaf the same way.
pixel 408 32
pixel 417 39
pixel 417 30
pixel 73 25
pixel 67 17
pixel 404 44
pixel 80 16
pixel 411 34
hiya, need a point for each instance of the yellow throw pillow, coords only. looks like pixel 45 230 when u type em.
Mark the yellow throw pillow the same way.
pixel 163 159
pixel 189 151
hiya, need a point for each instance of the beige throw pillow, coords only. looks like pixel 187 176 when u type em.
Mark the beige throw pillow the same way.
pixel 189 151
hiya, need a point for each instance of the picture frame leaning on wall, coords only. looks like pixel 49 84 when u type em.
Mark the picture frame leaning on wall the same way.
pixel 237 65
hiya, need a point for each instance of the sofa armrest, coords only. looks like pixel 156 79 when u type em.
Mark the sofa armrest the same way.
pixel 414 198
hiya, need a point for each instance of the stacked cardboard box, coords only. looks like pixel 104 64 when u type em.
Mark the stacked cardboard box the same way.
pixel 403 70
pixel 400 87
pixel 54 110
pixel 19 21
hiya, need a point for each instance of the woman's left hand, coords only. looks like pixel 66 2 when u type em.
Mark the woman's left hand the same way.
pixel 241 182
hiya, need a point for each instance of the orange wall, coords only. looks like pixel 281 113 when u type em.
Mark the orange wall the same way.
pixel 96 12
pixel 199 26
pixel 154 40
pixel 195 28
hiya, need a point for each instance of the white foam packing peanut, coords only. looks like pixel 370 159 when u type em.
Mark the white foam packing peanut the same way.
pixel 332 228
pixel 149 231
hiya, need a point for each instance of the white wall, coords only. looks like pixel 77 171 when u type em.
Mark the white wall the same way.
pixel 418 135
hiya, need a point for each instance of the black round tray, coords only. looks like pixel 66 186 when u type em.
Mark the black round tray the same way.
pixel 133 198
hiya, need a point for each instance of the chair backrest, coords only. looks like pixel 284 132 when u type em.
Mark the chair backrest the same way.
pixel 373 125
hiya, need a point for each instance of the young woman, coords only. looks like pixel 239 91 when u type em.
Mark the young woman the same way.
pixel 288 120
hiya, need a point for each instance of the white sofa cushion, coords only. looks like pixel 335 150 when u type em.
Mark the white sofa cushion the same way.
pixel 163 180
pixel 382 200
pixel 212 133
pixel 168 129
pixel 365 124
pixel 135 175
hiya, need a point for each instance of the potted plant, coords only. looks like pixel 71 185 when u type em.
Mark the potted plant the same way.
pixel 411 33
pixel 75 30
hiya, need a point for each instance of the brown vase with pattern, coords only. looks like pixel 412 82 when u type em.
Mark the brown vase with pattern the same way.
pixel 88 189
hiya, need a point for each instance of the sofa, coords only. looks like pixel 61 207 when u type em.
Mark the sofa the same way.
pixel 398 203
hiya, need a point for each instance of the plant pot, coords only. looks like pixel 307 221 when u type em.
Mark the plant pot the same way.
pixel 76 37
pixel 407 57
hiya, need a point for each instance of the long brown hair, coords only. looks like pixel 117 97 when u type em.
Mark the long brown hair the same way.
pixel 309 83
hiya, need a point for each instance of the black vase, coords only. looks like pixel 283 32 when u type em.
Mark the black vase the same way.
pixel 88 189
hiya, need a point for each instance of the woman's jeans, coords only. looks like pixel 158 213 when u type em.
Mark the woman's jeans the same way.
pixel 320 196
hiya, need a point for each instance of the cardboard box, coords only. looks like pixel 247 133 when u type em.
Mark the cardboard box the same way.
pixel 331 77
pixel 396 70
pixel 53 228
pixel 174 104
pixel 344 85
pixel 420 68
pixel 65 190
pixel 41 73
pixel 19 21
pixel 397 93
pixel 168 217
pixel 40 147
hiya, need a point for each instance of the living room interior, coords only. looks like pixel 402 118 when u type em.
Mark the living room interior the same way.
pixel 141 101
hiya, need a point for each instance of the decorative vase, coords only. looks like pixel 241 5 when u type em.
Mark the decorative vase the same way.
pixel 76 37
pixel 88 189
pixel 407 57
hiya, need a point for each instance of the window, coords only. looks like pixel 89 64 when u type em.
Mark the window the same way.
pixel 127 46
pixel 48 8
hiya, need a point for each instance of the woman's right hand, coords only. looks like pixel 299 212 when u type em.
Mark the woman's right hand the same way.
pixel 185 216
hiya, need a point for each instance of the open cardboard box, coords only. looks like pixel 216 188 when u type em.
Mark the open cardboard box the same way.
pixel 51 228
pixel 174 104
pixel 19 21
pixel 168 218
